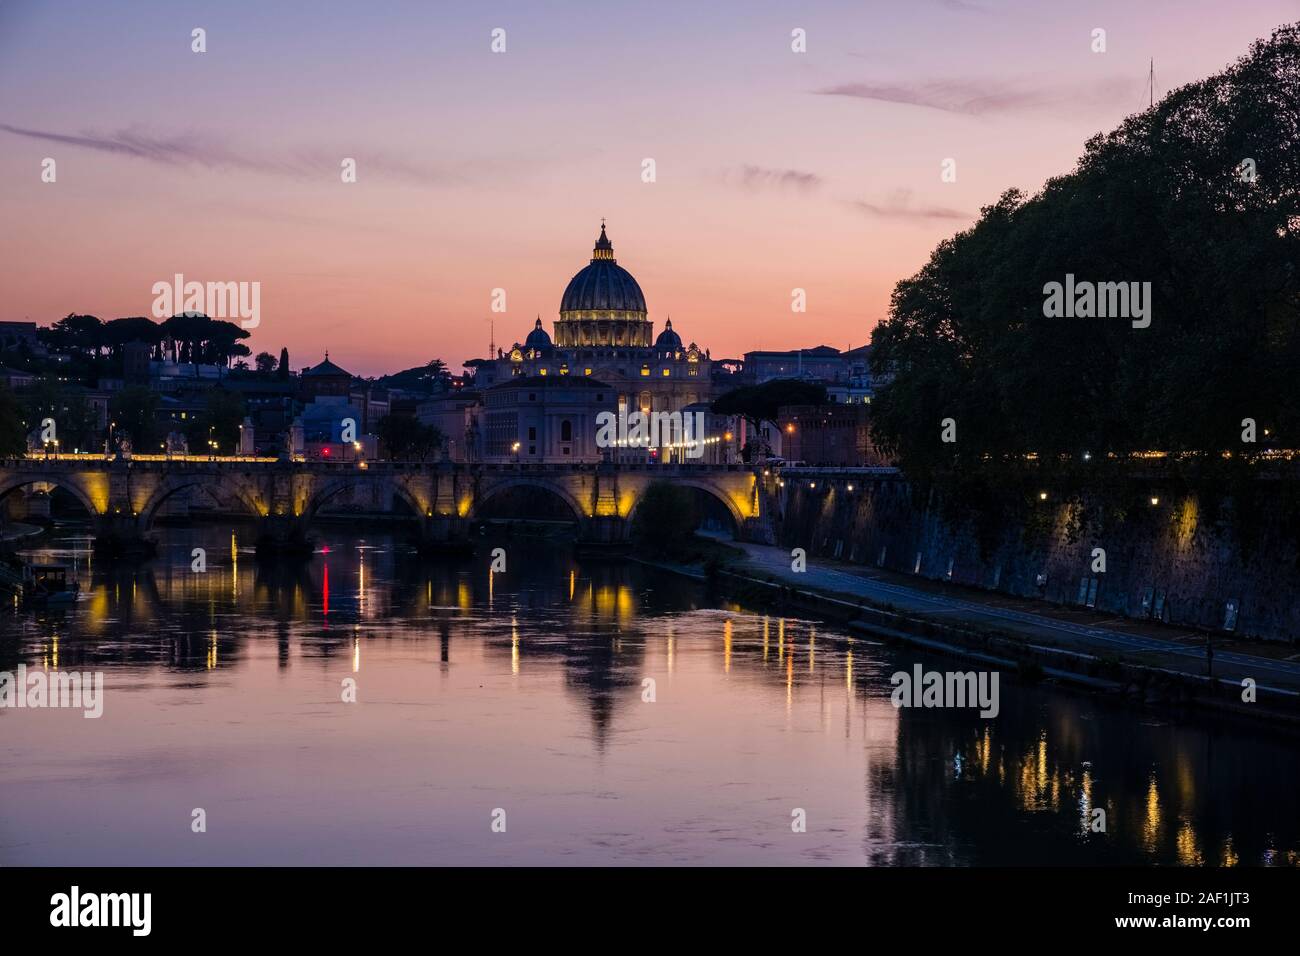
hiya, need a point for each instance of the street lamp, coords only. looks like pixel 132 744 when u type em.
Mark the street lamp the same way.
pixel 515 448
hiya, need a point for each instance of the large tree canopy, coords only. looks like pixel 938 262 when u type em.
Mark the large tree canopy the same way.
pixel 760 403
pixel 1167 198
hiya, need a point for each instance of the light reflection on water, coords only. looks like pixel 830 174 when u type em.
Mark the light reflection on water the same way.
pixel 524 690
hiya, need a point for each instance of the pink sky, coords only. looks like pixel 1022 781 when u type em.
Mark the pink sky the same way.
pixel 775 170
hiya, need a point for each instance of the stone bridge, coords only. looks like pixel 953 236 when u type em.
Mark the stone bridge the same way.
pixel 124 496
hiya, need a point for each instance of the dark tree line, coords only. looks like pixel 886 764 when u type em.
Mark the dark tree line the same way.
pixel 1167 198
pixel 189 337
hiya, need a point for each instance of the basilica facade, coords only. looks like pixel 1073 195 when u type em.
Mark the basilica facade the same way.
pixel 604 333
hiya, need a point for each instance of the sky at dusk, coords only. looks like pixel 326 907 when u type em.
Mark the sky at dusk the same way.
pixel 479 170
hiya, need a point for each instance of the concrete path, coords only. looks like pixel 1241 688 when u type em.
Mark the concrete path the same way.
pixel 1036 621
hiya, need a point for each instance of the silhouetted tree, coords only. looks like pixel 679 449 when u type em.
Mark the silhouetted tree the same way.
pixel 13 434
pixel 759 403
pixel 665 518
pixel 1165 199
pixel 219 422
pixel 135 410
pixel 407 439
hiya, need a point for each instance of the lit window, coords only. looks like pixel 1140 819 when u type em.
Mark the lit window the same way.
pixel 586 371
pixel 667 373
pixel 645 370
pixel 541 371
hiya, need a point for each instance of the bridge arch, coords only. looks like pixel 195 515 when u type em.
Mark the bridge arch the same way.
pixel 333 489
pixel 712 490
pixel 172 486
pixel 60 480
pixel 488 491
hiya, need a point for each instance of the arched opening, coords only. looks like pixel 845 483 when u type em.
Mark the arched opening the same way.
pixel 41 502
pixel 187 501
pixel 373 500
pixel 527 507
pixel 714 515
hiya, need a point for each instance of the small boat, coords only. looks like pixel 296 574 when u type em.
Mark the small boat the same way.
pixel 48 584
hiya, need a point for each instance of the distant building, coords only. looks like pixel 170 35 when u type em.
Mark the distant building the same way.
pixel 831 435
pixel 14 379
pixel 15 335
pixel 456 416
pixel 543 419
pixel 325 379
pixel 846 375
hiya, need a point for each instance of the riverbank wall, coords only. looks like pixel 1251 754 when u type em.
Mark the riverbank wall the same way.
pixel 1162 557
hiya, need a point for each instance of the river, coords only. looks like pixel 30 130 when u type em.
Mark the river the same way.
pixel 570 712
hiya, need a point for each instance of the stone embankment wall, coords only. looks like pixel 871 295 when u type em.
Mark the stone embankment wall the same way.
pixel 1165 560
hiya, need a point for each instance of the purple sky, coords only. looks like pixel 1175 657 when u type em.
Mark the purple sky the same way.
pixel 775 170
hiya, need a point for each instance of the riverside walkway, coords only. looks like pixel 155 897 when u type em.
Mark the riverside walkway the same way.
pixel 1268 663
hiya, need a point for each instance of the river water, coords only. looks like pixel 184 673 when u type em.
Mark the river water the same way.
pixel 503 718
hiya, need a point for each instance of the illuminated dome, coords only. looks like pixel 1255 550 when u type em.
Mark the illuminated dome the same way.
pixel 668 341
pixel 537 338
pixel 602 304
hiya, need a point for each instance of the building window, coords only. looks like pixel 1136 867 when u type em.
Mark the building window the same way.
pixel 645 370
pixel 667 373
pixel 541 371
pixel 566 430
pixel 532 433
pixel 586 371
pixel 532 449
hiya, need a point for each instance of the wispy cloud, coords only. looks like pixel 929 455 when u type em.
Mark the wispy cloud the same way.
pixel 758 178
pixel 182 149
pixel 199 150
pixel 899 206
pixel 980 97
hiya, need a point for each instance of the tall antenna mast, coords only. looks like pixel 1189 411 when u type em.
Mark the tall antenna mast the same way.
pixel 1151 82
pixel 492 338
